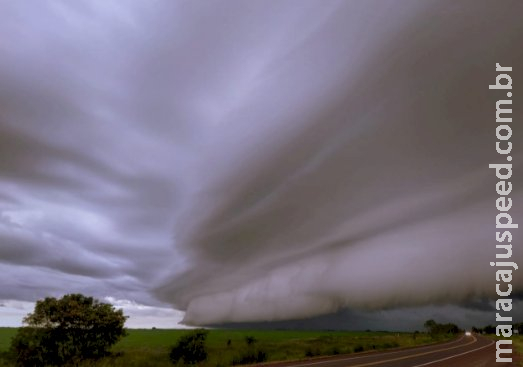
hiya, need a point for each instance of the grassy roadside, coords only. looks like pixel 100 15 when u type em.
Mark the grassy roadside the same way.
pixel 151 347
pixel 518 347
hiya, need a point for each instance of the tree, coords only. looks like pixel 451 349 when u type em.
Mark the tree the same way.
pixel 439 329
pixel 66 330
pixel 190 348
pixel 429 324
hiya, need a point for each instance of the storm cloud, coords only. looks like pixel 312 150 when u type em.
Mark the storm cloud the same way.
pixel 255 161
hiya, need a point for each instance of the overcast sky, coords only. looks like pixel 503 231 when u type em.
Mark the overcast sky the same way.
pixel 253 161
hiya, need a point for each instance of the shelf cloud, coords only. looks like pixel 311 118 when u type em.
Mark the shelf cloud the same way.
pixel 255 161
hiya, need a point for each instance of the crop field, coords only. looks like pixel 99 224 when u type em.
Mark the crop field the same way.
pixel 225 347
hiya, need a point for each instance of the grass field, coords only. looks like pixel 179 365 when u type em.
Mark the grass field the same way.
pixel 151 347
pixel 5 337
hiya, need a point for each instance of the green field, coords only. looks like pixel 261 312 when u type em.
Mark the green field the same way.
pixel 5 337
pixel 151 347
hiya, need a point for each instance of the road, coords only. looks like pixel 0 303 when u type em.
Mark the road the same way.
pixel 466 351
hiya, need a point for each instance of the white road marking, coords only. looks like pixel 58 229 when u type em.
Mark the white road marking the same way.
pixel 457 355
pixel 371 354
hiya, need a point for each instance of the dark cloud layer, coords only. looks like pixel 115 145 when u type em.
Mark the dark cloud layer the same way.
pixel 403 318
pixel 255 161
pixel 376 194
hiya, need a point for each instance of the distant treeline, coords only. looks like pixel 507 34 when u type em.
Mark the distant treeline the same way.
pixel 491 329
pixel 435 328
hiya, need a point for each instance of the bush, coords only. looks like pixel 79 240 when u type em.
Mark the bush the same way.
pixel 67 330
pixel 390 345
pixel 250 340
pixel 359 348
pixel 32 347
pixel 250 356
pixel 190 348
pixel 309 352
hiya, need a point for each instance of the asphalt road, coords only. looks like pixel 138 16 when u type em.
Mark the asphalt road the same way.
pixel 466 351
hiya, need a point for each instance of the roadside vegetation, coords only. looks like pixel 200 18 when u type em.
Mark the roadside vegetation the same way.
pixel 434 328
pixel 153 347
pixel 80 331
pixel 518 347
pixel 491 329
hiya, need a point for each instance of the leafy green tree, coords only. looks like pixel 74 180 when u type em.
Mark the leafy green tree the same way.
pixel 190 348
pixel 67 330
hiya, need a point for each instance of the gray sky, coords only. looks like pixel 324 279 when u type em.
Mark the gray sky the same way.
pixel 252 161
